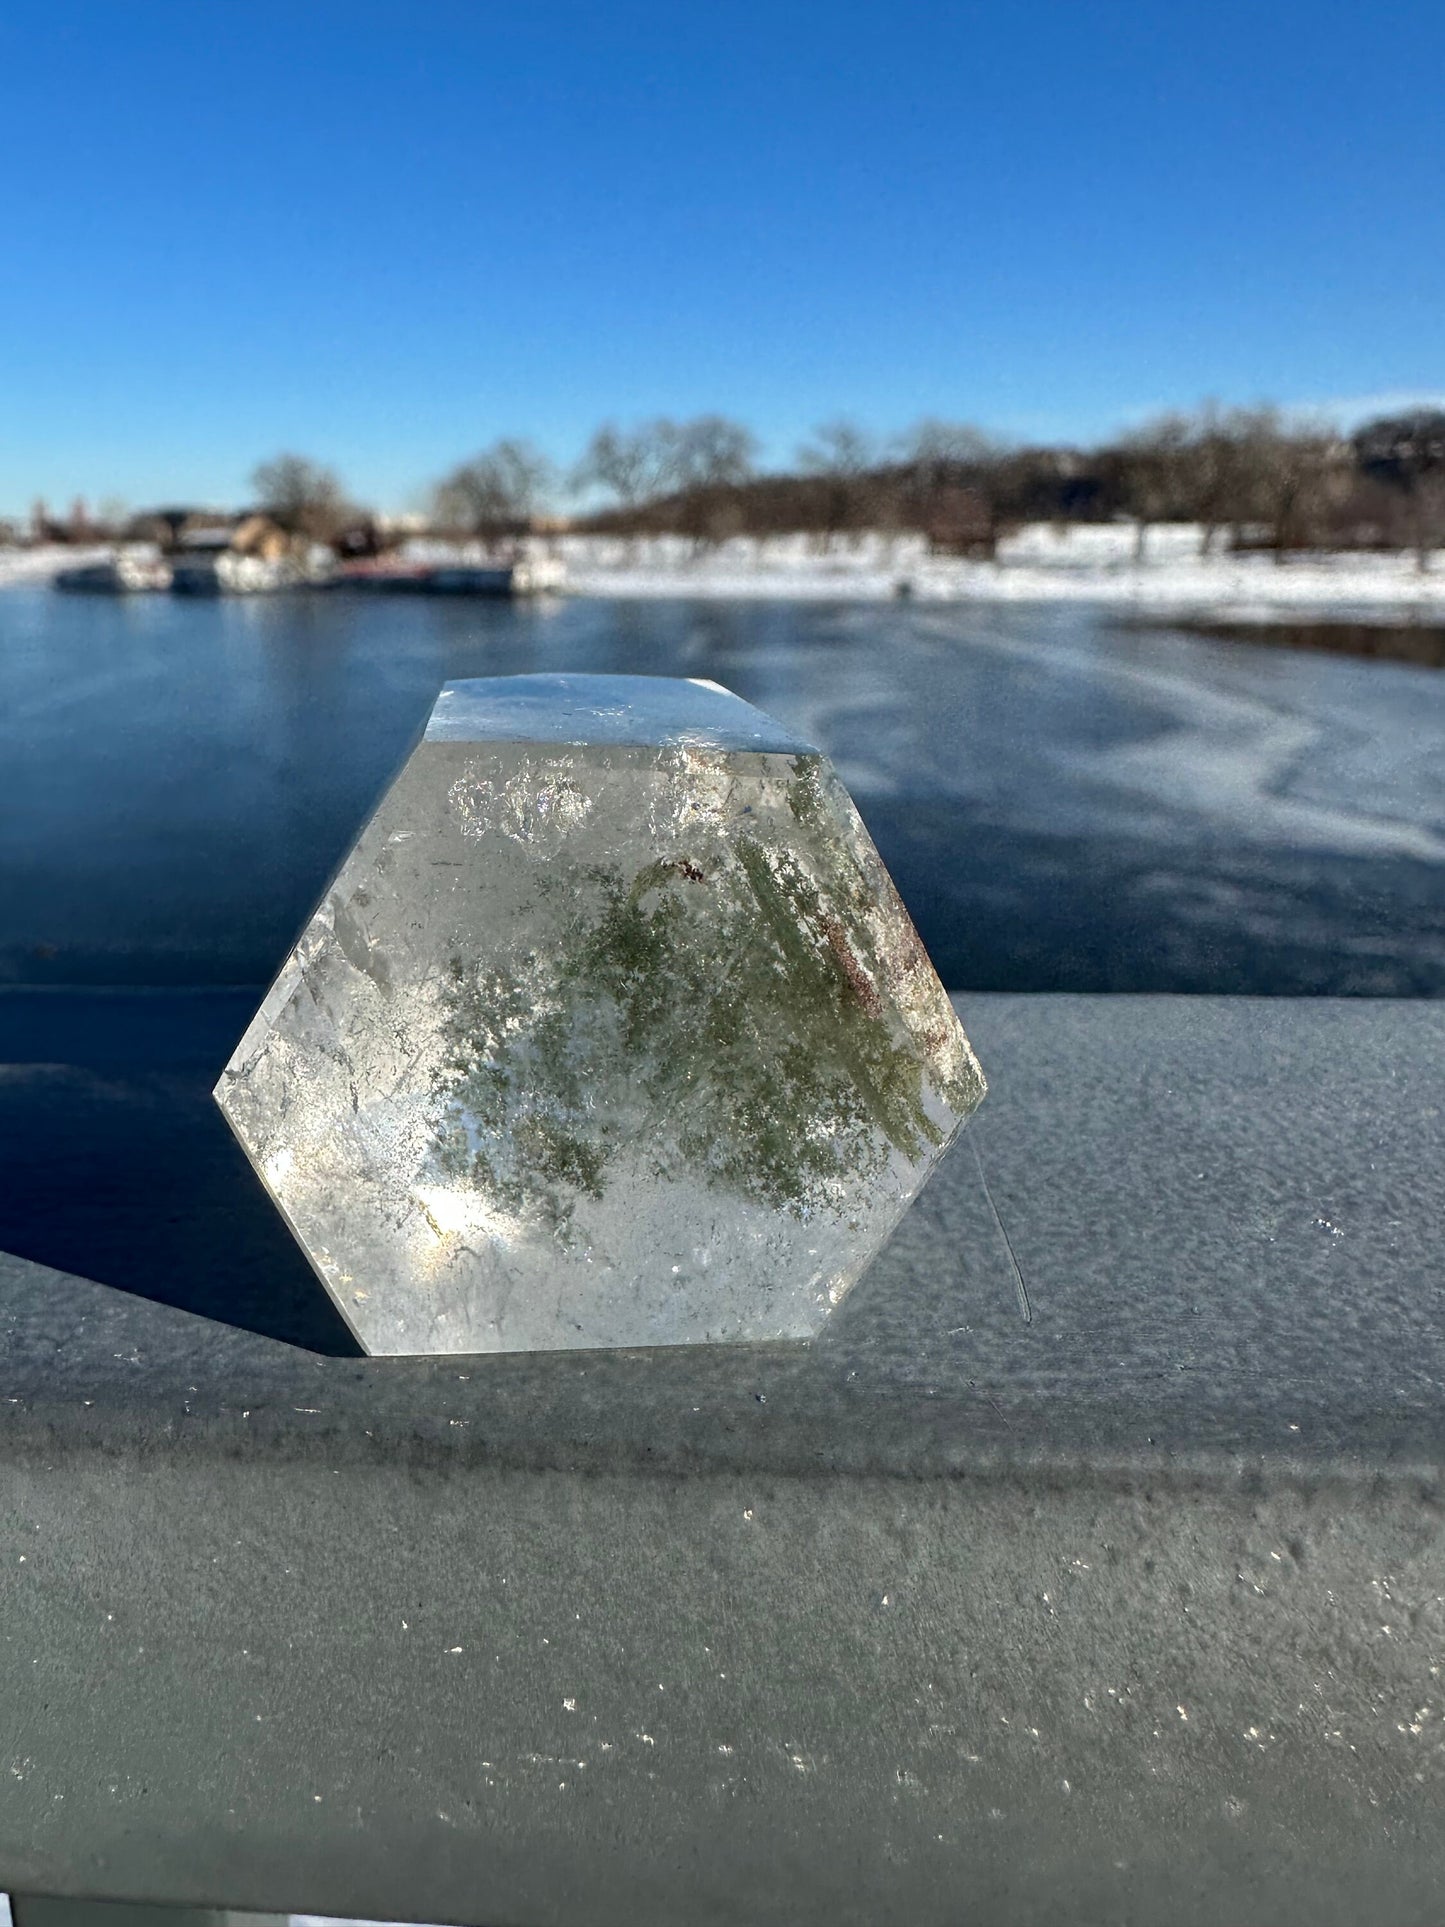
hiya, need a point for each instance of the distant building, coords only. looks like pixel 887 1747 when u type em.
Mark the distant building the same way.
pixel 210 532
pixel 363 538
pixel 257 535
pixel 167 526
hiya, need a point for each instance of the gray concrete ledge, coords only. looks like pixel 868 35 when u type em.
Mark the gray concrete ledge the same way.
pixel 1132 1607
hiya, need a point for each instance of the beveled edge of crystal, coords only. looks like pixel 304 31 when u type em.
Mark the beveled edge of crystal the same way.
pixel 657 712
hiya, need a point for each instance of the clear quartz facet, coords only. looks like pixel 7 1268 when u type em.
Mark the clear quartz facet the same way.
pixel 611 1030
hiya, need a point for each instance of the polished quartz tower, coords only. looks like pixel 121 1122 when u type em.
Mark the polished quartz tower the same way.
pixel 611 1030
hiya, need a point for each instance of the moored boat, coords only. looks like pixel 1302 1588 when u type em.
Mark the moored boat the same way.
pixel 393 576
pixel 379 577
pixel 117 575
pixel 230 573
pixel 468 578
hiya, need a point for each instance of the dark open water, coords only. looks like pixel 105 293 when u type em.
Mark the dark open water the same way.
pixel 1066 805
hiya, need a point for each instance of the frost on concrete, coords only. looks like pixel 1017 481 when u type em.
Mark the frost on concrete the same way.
pixel 612 1030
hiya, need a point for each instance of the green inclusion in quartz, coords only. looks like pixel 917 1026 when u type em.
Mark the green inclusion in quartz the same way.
pixel 725 1012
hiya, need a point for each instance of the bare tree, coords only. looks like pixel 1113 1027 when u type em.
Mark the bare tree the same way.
pixel 1219 471
pixel 844 457
pixel 955 485
pixel 634 466
pixel 712 452
pixel 1155 464
pixel 1407 453
pixel 712 458
pixel 937 450
pixel 304 497
pixel 1294 472
pixel 497 492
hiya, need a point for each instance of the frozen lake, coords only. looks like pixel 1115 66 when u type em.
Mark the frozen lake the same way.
pixel 1065 803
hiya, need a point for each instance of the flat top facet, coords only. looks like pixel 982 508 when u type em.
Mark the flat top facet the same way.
pixel 640 711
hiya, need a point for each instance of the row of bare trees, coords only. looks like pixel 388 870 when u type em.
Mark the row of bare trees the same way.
pixel 630 470
pixel 1248 478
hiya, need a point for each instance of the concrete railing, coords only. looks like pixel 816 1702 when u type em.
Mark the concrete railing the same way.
pixel 1088 1566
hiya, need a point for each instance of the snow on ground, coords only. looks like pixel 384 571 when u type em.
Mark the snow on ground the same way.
pixel 1091 563
pixel 40 564
pixel 1040 564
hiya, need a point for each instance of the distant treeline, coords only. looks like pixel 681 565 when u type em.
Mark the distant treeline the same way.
pixel 1249 478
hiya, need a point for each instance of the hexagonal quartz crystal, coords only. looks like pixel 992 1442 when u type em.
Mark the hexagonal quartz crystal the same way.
pixel 611 1030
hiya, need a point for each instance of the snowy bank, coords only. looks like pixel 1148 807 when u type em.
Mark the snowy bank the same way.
pixel 21 566
pixel 1040 564
pixel 1087 563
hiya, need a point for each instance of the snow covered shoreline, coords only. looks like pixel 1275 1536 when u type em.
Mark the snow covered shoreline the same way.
pixel 23 568
pixel 1092 564
pixel 1086 563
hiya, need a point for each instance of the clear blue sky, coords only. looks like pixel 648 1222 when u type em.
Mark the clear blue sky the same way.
pixel 385 235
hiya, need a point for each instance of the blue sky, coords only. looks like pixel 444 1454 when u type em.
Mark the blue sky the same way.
pixel 385 235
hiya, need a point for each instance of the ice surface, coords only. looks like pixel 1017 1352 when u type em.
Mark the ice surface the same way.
pixel 612 1030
